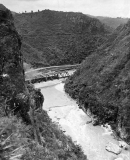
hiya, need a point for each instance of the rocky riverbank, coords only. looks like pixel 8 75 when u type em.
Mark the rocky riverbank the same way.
pixel 74 122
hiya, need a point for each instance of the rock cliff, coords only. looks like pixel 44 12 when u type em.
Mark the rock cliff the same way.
pixel 12 82
pixel 11 65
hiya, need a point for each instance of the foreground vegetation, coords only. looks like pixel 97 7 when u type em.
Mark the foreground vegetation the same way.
pixel 26 131
pixel 17 141
pixel 32 135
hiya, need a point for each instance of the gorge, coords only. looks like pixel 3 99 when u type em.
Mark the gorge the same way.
pixel 73 121
pixel 26 131
pixel 62 130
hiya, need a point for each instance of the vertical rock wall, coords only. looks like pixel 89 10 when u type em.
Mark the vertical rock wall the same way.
pixel 11 65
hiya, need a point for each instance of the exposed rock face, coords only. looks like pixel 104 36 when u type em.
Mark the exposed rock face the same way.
pixel 12 81
pixel 11 65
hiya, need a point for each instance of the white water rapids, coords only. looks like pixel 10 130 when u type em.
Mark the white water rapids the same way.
pixel 72 120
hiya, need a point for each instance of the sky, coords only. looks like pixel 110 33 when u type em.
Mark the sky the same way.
pixel 109 8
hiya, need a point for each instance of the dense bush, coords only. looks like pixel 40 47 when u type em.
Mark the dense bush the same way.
pixel 17 141
pixel 102 82
pixel 57 38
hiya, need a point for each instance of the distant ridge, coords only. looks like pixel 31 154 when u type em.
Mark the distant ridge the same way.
pixel 112 22
pixel 57 38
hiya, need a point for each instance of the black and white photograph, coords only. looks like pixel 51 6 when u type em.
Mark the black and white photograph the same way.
pixel 64 79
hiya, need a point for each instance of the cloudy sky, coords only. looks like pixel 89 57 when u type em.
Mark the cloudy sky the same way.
pixel 111 8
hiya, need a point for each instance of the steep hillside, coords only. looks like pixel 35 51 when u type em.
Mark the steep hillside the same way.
pixel 56 38
pixel 11 65
pixel 102 83
pixel 26 131
pixel 111 22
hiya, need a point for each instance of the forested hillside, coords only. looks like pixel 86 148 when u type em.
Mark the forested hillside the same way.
pixel 56 38
pixel 102 83
pixel 26 131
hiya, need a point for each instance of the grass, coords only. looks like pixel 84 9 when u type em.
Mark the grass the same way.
pixel 17 141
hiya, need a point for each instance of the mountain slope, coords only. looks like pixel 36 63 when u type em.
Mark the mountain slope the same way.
pixel 112 22
pixel 26 131
pixel 102 83
pixel 56 38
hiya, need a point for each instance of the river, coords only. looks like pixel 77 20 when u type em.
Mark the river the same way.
pixel 65 112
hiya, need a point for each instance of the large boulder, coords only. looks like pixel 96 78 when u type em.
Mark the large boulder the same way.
pixel 39 99
pixel 36 94
pixel 111 147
